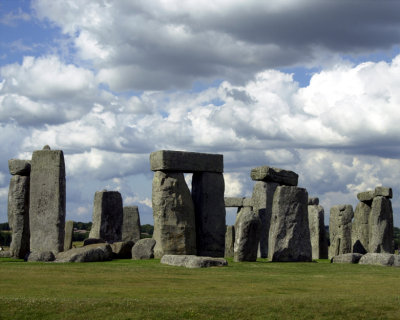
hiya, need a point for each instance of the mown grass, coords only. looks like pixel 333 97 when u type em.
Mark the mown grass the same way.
pixel 126 289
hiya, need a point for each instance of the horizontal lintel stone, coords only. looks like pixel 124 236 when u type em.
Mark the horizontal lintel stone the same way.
pixel 365 196
pixel 270 174
pixel 19 167
pixel 182 161
pixel 384 192
pixel 233 202
pixel 313 201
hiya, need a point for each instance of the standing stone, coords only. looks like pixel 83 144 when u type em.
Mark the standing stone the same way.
pixel 262 198
pixel 381 226
pixel 319 243
pixel 143 249
pixel 360 228
pixel 69 232
pixel 340 229
pixel 208 199
pixel 289 235
pixel 131 224
pixel 173 213
pixel 18 207
pixel 47 201
pixel 229 241
pixel 107 216
pixel 247 235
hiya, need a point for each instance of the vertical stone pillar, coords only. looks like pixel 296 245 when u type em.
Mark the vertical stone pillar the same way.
pixel 18 207
pixel 381 226
pixel 69 232
pixel 360 226
pixel 47 201
pixel 208 199
pixel 173 213
pixel 319 243
pixel 229 241
pixel 340 229
pixel 107 216
pixel 131 224
pixel 289 235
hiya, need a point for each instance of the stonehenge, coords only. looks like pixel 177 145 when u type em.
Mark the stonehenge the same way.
pixel 131 224
pixel 340 229
pixel 319 243
pixel 69 231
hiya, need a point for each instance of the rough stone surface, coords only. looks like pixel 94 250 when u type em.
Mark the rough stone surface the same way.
pixel 381 226
pixel 90 241
pixel 380 259
pixel 90 253
pixel 69 232
pixel 365 196
pixel 107 216
pixel 229 241
pixel 233 202
pixel 131 224
pixel 5 254
pixel 18 215
pixel 143 249
pixel 269 174
pixel 262 197
pixel 247 202
pixel 192 261
pixel 347 258
pixel 173 213
pixel 19 167
pixel 247 235
pixel 122 249
pixel 41 256
pixel 383 192
pixel 47 201
pixel 289 235
pixel 319 243
pixel 360 228
pixel 179 161
pixel 340 229
pixel 208 198
pixel 313 201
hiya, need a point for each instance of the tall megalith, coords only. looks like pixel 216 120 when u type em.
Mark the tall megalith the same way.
pixel 69 232
pixel 319 243
pixel 381 226
pixel 340 229
pixel 131 224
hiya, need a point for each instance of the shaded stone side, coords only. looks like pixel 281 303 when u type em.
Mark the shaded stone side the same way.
pixel 69 232
pixel 107 216
pixel 229 241
pixel 18 215
pixel 340 229
pixel 381 226
pixel 360 228
pixel 173 213
pixel 47 201
pixel 192 261
pixel 208 198
pixel 319 243
pixel 270 174
pixel 289 235
pixel 131 224
pixel 143 249
pixel 262 198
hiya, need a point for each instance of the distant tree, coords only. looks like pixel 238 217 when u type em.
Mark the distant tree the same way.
pixel 83 225
pixel 5 238
pixel 4 226
pixel 396 237
pixel 147 228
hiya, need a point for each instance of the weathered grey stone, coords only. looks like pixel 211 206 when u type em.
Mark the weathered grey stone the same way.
pixel 340 229
pixel 289 234
pixel 131 224
pixel 107 216
pixel 5 254
pixel 89 241
pixel 19 167
pixel 365 196
pixel 347 258
pixel 379 259
pixel 122 249
pixel 69 232
pixel 47 201
pixel 173 213
pixel 180 161
pixel 233 202
pixel 383 192
pixel 360 228
pixel 262 198
pixel 143 249
pixel 208 198
pixel 41 256
pixel 18 215
pixel 269 174
pixel 381 226
pixel 247 202
pixel 313 201
pixel 247 235
pixel 229 241
pixel 191 261
pixel 90 253
pixel 319 243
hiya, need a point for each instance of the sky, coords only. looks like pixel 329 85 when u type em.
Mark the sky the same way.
pixel 309 86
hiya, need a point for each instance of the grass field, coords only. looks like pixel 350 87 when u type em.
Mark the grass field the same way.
pixel 126 289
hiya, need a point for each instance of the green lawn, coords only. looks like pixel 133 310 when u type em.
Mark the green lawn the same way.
pixel 126 289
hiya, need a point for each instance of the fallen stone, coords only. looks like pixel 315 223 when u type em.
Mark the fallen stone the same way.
pixel 69 232
pixel 319 241
pixel 192 261
pixel 269 174
pixel 233 202
pixel 383 192
pixel 381 226
pixel 122 249
pixel 19 167
pixel 89 241
pixel 379 259
pixel 131 224
pixel 41 256
pixel 340 229
pixel 347 258
pixel 180 161
pixel 365 196
pixel 313 201
pixel 5 254
pixel 229 241
pixel 360 228
pixel 143 249
pixel 90 253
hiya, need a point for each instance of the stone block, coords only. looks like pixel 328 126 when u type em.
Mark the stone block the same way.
pixel 360 228
pixel 365 196
pixel 90 253
pixel 122 249
pixel 247 202
pixel 379 259
pixel 313 201
pixel 131 224
pixel 41 256
pixel 383 192
pixel 143 249
pixel 231 202
pixel 69 232
pixel 270 174
pixel 19 167
pixel 319 241
pixel 340 229
pixel 182 161
pixel 381 226
pixel 192 261
pixel 229 241
pixel 347 258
